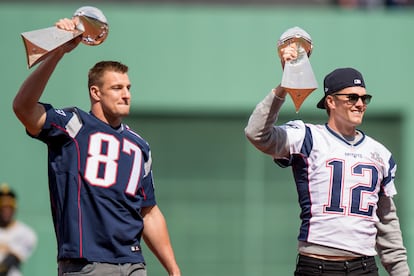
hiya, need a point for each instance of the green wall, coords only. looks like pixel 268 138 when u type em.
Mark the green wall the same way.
pixel 197 72
pixel 231 210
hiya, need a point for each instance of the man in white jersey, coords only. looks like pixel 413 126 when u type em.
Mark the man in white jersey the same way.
pixel 344 180
pixel 17 240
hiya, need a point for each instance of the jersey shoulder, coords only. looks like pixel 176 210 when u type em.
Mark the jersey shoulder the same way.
pixel 377 146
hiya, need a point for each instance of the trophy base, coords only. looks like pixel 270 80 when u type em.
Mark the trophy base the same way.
pixel 298 96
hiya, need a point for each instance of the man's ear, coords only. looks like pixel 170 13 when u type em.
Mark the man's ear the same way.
pixel 330 103
pixel 95 93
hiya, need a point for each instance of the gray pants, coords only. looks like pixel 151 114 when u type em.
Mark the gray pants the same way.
pixel 85 268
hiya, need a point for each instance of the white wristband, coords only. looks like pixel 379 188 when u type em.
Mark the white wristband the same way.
pixel 276 96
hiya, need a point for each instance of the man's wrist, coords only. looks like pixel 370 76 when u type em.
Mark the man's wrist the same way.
pixel 279 93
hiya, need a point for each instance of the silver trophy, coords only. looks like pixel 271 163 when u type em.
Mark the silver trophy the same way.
pixel 92 26
pixel 298 78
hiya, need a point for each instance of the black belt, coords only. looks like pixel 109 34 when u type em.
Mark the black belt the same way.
pixel 74 261
pixel 328 265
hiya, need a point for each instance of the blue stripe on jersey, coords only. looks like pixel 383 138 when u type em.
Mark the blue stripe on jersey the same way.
pixel 388 178
pixel 300 173
pixel 307 143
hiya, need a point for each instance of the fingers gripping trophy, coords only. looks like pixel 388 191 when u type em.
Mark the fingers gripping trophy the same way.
pixel 91 26
pixel 298 78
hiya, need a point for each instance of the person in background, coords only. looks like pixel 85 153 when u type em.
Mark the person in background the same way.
pixel 17 240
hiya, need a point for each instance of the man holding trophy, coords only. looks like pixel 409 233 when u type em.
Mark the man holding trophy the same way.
pixel 100 174
pixel 344 178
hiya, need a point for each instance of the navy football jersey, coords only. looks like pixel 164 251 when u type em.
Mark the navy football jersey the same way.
pixel 99 179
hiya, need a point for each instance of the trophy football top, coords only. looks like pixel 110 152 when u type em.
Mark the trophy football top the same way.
pixel 93 23
pixel 296 35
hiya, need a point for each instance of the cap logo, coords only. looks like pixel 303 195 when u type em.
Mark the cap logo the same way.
pixel 357 81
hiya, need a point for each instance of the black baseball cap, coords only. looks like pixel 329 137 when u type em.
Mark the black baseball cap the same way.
pixel 7 196
pixel 339 79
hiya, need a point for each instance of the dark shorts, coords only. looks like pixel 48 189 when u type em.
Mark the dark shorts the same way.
pixel 81 267
pixel 307 266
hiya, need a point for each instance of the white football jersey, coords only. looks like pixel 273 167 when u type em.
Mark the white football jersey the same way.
pixel 19 239
pixel 338 185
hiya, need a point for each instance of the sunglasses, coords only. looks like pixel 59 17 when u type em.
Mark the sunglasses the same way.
pixel 353 98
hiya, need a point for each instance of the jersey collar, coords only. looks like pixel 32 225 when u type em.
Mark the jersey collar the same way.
pixel 359 139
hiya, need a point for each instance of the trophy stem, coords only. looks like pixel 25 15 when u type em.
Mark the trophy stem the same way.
pixel 299 80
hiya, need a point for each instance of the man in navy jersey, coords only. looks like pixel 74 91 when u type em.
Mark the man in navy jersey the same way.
pixel 344 180
pixel 100 176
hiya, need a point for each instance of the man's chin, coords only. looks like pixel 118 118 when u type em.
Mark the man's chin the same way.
pixel 124 112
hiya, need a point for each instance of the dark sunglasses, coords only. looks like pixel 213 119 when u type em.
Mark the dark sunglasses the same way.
pixel 353 98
